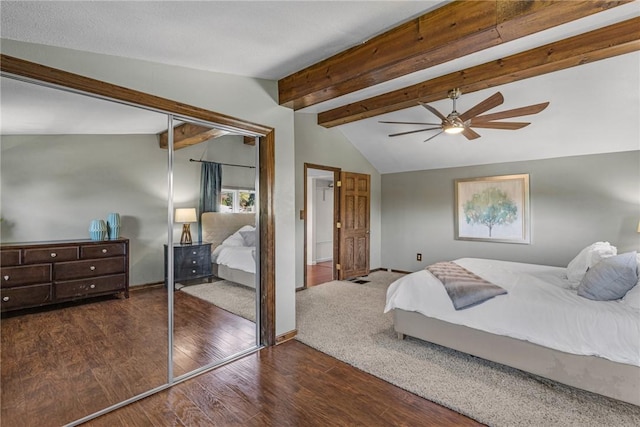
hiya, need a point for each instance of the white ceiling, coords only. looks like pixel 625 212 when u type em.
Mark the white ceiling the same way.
pixel 594 108
pixel 263 39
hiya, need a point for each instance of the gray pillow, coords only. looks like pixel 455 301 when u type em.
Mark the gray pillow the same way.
pixel 249 237
pixel 611 278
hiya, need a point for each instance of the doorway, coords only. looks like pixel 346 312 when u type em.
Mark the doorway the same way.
pixel 320 216
pixel 336 224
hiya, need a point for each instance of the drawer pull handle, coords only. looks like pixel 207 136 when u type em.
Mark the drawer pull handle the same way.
pixel 5 299
pixel 6 277
pixel 93 267
pixel 194 262
pixel 92 286
pixel 53 254
pixel 104 251
pixel 194 252
pixel 193 271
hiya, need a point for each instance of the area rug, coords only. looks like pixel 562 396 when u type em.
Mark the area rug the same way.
pixel 345 320
pixel 227 295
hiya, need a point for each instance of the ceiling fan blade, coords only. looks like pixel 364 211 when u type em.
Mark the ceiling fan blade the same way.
pixel 489 103
pixel 470 133
pixel 429 139
pixel 522 111
pixel 410 123
pixel 434 111
pixel 499 125
pixel 413 131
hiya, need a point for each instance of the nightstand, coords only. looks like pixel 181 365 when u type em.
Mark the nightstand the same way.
pixel 190 262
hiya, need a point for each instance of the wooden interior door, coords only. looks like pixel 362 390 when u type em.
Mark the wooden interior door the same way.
pixel 355 194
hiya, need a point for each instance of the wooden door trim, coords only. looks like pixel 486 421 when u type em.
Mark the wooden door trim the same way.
pixel 336 217
pixel 37 72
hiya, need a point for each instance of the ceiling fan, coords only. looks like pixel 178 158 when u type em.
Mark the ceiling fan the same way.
pixel 462 123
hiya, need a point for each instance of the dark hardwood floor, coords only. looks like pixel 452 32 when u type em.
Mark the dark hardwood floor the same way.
pixel 204 333
pixel 321 272
pixel 287 385
pixel 61 364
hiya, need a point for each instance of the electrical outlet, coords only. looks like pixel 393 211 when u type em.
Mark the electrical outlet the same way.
pixel 419 257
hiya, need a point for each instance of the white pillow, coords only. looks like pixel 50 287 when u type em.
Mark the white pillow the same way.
pixel 587 258
pixel 236 238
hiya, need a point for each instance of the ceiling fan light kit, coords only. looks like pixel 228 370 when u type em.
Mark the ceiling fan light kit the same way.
pixel 454 128
pixel 456 123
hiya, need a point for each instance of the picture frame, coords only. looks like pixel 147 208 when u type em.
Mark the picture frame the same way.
pixel 493 209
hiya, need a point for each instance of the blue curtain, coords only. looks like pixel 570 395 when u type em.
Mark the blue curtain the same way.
pixel 210 188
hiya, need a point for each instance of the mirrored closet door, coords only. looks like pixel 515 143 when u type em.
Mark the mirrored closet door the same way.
pixel 216 271
pixel 101 208
pixel 84 323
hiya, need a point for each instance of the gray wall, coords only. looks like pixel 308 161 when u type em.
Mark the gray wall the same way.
pixel 575 201
pixel 52 186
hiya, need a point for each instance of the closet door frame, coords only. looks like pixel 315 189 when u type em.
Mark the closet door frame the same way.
pixel 31 72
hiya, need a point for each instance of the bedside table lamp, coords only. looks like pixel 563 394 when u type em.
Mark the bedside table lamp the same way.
pixel 186 216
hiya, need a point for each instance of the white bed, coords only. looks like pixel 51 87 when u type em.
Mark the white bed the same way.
pixel 233 256
pixel 541 326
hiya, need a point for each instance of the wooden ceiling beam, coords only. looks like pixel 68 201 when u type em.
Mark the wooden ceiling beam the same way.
pixel 446 33
pixel 617 39
pixel 188 134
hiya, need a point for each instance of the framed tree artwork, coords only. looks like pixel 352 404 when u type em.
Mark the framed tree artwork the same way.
pixel 493 209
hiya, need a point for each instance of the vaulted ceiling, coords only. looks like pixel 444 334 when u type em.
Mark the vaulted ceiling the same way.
pixel 356 63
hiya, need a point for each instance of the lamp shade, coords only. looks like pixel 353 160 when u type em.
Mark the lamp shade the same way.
pixel 186 215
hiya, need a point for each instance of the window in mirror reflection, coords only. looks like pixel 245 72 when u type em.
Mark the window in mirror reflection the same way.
pixel 237 200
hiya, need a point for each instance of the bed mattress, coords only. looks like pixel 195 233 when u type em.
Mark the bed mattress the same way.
pixel 539 307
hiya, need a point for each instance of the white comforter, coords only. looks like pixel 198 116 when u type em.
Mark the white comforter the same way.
pixel 238 257
pixel 538 308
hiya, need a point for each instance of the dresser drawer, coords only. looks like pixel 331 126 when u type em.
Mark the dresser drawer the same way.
pixel 26 296
pixel 10 257
pixel 35 256
pixel 102 250
pixel 192 261
pixel 192 272
pixel 25 275
pixel 84 287
pixel 192 256
pixel 89 268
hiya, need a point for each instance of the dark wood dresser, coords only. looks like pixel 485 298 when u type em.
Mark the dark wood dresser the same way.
pixel 189 262
pixel 41 273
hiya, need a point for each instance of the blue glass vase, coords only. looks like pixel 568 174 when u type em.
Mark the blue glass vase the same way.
pixel 97 229
pixel 113 225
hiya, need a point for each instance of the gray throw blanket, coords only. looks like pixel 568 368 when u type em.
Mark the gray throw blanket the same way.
pixel 464 288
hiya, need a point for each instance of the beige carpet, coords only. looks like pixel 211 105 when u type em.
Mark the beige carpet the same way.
pixel 345 320
pixel 229 296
